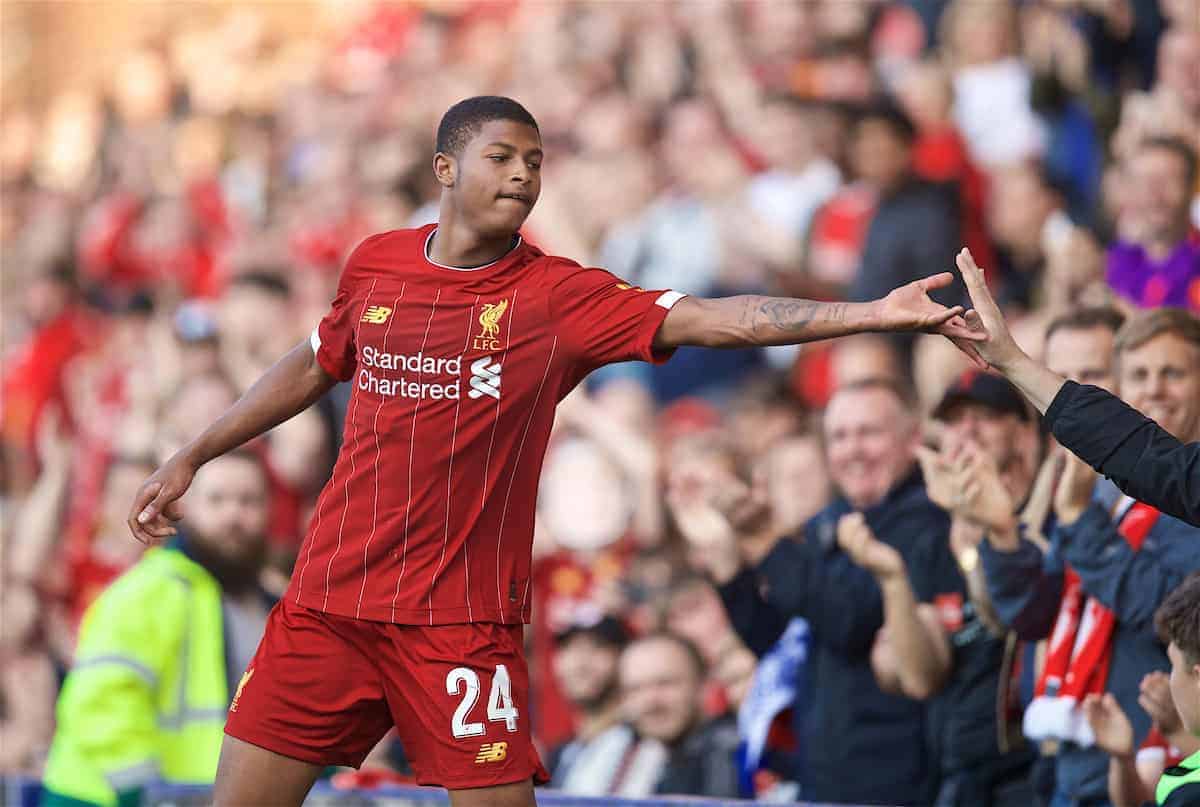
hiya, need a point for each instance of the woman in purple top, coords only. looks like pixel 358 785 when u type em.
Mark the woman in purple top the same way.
pixel 1173 282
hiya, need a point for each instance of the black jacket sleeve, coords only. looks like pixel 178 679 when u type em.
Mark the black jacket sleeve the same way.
pixel 757 623
pixel 1130 449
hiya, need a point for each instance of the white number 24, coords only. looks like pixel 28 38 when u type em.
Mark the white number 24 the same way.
pixel 500 702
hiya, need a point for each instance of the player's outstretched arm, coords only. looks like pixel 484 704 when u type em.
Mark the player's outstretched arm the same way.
pixel 751 320
pixel 291 385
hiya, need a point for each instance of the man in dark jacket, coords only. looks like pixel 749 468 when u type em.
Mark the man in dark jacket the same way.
pixel 1140 456
pixel 851 726
pixel 955 655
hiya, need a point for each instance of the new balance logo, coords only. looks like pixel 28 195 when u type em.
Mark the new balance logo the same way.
pixel 485 378
pixel 491 752
pixel 377 314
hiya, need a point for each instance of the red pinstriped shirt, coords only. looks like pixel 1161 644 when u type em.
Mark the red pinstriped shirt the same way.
pixel 428 516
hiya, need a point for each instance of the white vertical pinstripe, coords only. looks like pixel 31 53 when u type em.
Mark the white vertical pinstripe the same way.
pixel 354 406
pixel 312 539
pixel 411 441
pixel 528 586
pixel 512 314
pixel 516 464
pixel 449 475
pixel 375 430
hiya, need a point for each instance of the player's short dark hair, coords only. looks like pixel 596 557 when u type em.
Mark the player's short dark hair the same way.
pixel 265 280
pixel 463 121
pixel 888 112
pixel 1178 618
pixel 1083 319
pixel 1181 149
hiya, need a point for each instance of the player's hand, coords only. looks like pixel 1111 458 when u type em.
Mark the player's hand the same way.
pixel 1114 733
pixel 996 345
pixel 1156 699
pixel 856 540
pixel 909 308
pixel 156 505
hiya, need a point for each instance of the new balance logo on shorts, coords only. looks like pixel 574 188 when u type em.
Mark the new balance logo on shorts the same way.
pixel 491 752
pixel 485 378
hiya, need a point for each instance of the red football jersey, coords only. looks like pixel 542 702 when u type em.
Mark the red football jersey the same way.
pixel 428 516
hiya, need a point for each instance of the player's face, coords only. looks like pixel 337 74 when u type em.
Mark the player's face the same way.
pixel 1185 688
pixel 1082 354
pixel 869 440
pixel 586 670
pixel 227 509
pixel 499 176
pixel 1162 379
pixel 660 689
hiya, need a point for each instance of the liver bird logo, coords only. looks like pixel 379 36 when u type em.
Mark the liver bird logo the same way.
pixel 489 318
pixel 241 685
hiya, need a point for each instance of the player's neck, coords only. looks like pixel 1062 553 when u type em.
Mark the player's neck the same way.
pixel 455 245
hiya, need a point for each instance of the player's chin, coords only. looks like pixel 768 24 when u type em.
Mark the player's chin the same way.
pixel 508 216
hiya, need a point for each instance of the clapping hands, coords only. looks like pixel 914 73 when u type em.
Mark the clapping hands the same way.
pixel 967 484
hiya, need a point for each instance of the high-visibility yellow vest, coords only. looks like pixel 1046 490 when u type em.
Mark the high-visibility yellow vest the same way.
pixel 147 696
pixel 1182 782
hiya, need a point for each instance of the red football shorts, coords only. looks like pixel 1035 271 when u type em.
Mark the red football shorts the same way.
pixel 325 689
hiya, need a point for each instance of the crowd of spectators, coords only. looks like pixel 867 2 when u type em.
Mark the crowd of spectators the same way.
pixel 832 573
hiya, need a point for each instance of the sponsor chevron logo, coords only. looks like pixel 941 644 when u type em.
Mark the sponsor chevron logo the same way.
pixel 485 378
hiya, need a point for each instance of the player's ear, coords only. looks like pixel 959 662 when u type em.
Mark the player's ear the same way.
pixel 445 169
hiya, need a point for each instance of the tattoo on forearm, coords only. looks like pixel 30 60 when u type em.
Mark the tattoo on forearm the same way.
pixel 792 316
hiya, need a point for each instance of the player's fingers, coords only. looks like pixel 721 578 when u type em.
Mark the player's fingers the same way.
pixel 151 500
pixel 173 511
pixel 957 328
pixel 143 502
pixel 975 321
pixel 938 281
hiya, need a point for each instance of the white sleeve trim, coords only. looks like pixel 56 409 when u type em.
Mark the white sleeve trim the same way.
pixel 314 340
pixel 668 299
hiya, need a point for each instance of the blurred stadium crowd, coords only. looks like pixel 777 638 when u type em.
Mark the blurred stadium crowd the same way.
pixel 167 235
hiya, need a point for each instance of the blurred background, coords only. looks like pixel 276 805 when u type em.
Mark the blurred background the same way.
pixel 181 181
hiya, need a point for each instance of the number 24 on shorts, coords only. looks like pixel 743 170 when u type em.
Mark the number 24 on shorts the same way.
pixel 500 702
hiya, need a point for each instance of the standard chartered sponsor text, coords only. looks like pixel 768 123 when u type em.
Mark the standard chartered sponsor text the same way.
pixel 407 386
